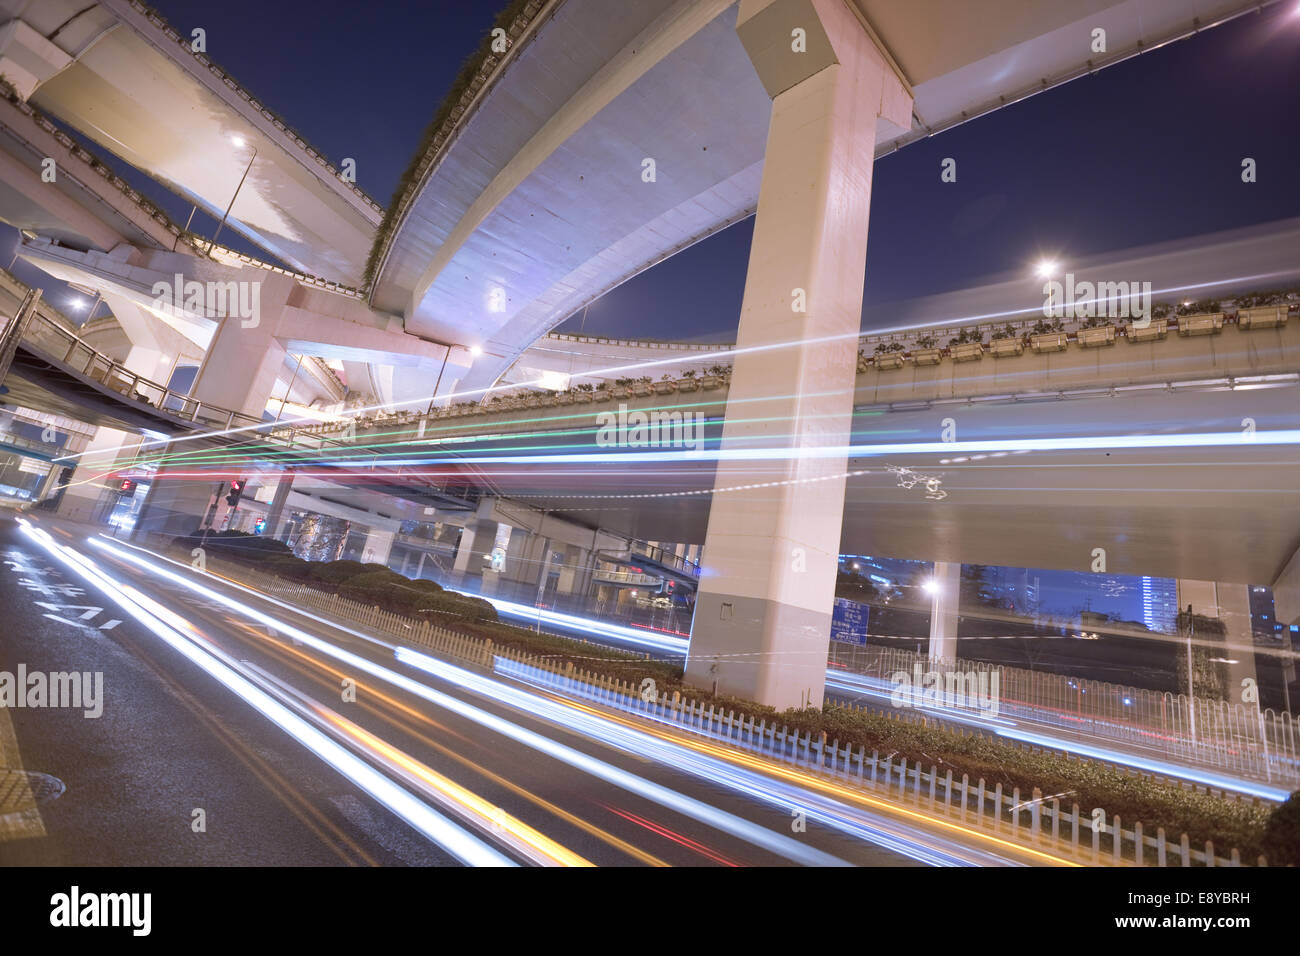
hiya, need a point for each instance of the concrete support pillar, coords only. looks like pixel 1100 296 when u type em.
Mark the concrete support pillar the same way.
pixel 762 618
pixel 86 496
pixel 275 513
pixel 1230 603
pixel 244 359
pixel 378 546
pixel 569 570
pixel 582 571
pixel 465 550
pixel 476 543
pixel 177 506
pixel 516 570
pixel 944 603
pixel 49 481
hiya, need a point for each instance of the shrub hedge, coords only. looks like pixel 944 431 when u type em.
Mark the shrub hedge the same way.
pixel 355 580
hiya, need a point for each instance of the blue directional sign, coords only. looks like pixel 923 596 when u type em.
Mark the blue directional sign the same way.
pixel 849 622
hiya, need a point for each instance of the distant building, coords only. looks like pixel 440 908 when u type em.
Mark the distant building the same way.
pixel 1263 624
pixel 1160 604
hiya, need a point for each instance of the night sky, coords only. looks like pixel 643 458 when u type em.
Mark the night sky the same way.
pixel 1144 151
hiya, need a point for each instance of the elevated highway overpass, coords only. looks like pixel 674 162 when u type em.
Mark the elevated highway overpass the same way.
pixel 1054 453
pixel 120 75
pixel 568 167
pixel 522 211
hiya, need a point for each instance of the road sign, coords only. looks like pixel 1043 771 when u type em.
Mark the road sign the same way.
pixel 849 622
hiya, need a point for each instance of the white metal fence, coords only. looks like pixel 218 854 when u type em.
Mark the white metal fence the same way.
pixel 1241 739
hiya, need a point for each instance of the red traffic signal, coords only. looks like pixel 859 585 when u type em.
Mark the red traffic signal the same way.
pixel 126 486
pixel 236 490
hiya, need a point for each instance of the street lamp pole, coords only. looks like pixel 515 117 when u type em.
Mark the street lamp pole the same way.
pixel 434 397
pixel 1191 699
pixel 213 242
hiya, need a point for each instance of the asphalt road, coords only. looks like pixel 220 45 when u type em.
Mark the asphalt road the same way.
pixel 173 739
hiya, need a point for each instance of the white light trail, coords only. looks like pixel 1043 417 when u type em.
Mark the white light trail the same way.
pixel 164 624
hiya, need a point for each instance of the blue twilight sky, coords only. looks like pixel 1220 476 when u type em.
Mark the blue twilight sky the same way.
pixel 1144 151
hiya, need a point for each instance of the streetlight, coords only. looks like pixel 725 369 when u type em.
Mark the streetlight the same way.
pixel 476 350
pixel 239 143
pixel 930 587
pixel 1046 270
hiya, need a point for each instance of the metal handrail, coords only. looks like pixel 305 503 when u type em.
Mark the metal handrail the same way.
pixel 50 338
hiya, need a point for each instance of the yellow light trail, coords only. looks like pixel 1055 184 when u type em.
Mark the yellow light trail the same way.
pixel 421 718
pixel 754 762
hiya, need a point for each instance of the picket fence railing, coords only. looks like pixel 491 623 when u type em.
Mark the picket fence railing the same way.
pixel 1084 836
pixel 1244 739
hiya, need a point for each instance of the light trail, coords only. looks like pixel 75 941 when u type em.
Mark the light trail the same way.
pixel 312 667
pixel 1005 727
pixel 789 794
pixel 688 806
pixel 675 647
pixel 698 739
pixel 168 627
pixel 1076 443
pixel 512 831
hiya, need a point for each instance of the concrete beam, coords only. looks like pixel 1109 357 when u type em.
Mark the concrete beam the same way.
pixel 1286 592
pixel 27 59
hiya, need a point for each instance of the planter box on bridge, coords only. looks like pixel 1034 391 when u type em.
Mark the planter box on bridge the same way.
pixel 1200 324
pixel 888 360
pixel 927 356
pixel 1158 329
pixel 966 352
pixel 1001 348
pixel 1049 342
pixel 1267 317
pixel 1097 337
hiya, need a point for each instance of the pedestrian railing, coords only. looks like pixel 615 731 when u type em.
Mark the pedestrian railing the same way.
pixel 53 336
pixel 1242 739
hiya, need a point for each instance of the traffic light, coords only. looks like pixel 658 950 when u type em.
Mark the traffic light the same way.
pixel 126 487
pixel 236 491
